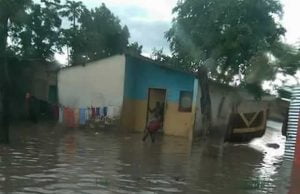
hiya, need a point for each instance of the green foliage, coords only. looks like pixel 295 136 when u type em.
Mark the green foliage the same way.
pixel 39 36
pixel 12 12
pixel 73 11
pixel 99 34
pixel 254 89
pixel 224 39
pixel 287 58
pixel 224 36
pixel 134 48
pixel 159 56
pixel 35 31
pixel 72 38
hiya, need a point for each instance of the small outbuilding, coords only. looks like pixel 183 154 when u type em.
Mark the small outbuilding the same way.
pixel 132 85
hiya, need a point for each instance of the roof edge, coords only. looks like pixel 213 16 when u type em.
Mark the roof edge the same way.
pixel 164 65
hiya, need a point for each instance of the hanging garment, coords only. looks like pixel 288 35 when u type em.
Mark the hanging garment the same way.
pixel 82 116
pixel 87 117
pixel 110 110
pixel 105 111
pixel 90 112
pixel 76 116
pixel 98 111
pixel 101 111
pixel 61 115
pixel 93 112
pixel 71 119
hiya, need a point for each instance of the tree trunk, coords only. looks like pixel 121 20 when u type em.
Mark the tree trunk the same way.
pixel 5 115
pixel 205 101
pixel 3 36
pixel 74 22
pixel 4 83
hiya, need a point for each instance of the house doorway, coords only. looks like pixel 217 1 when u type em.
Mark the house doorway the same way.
pixel 156 96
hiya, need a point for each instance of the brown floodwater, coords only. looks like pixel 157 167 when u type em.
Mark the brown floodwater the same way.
pixel 50 159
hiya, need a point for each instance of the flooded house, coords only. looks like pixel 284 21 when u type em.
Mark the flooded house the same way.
pixel 131 86
pixel 37 77
pixel 42 80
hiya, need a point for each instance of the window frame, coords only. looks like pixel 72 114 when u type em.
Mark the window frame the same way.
pixel 181 94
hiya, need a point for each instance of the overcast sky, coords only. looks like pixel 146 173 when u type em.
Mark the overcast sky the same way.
pixel 148 20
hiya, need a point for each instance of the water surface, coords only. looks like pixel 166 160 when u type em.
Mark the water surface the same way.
pixel 51 159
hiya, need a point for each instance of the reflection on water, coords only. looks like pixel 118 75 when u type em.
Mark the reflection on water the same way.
pixel 265 174
pixel 50 159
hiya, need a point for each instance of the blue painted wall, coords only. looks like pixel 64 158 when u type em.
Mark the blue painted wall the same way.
pixel 140 75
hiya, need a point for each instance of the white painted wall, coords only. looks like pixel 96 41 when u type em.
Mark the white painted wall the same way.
pixel 233 97
pixel 99 83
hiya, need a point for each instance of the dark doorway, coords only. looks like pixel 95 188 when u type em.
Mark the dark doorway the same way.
pixel 154 96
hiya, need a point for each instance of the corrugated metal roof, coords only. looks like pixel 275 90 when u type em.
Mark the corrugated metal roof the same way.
pixel 293 123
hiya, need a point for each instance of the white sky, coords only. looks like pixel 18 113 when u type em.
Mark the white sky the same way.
pixel 148 20
pixel 291 20
pixel 156 17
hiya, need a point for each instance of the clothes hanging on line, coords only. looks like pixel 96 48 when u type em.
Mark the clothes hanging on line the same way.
pixel 82 116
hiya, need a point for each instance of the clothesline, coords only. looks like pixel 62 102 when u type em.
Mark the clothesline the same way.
pixel 73 117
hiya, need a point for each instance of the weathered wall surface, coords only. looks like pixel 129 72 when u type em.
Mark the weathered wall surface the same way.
pixel 42 79
pixel 225 99
pixel 32 76
pixel 99 83
pixel 142 75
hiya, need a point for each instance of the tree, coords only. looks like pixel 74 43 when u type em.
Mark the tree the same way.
pixel 73 11
pixel 286 58
pixel 10 12
pixel 222 39
pixel 99 34
pixel 159 56
pixel 134 48
pixel 106 28
pixel 39 36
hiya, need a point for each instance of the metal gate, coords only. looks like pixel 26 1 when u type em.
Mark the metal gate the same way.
pixel 293 125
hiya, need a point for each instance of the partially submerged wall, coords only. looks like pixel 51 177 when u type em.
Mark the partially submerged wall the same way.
pixel 142 75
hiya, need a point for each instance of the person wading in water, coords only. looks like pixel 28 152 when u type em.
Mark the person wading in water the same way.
pixel 155 121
